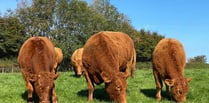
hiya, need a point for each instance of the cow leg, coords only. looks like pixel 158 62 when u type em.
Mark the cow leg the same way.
pixel 167 90
pixel 54 95
pixel 90 86
pixel 130 66
pixel 159 85
pixel 30 91
pixel 55 68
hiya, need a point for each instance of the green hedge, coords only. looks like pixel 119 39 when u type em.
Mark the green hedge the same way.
pixel 197 65
pixel 194 65
pixel 144 65
pixel 9 65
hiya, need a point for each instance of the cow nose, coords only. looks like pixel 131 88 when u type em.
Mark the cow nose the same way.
pixel 78 75
pixel 122 100
pixel 44 101
pixel 184 99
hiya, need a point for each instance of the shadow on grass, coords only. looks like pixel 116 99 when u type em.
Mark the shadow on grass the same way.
pixel 75 76
pixel 25 97
pixel 99 94
pixel 152 92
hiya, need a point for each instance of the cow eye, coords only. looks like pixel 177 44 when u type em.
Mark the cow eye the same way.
pixel 41 88
pixel 118 88
pixel 179 92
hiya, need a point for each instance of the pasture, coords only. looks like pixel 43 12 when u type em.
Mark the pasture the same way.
pixel 141 88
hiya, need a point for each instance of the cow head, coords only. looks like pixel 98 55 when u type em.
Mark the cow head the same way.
pixel 116 86
pixel 179 88
pixel 78 68
pixel 43 84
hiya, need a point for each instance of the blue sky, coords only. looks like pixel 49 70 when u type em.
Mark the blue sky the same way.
pixel 185 20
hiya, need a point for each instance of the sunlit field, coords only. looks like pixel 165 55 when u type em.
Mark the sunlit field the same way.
pixel 141 88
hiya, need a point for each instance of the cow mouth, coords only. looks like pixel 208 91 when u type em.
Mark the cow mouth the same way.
pixel 44 101
pixel 78 75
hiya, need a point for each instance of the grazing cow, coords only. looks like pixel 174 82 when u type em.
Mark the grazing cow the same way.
pixel 76 60
pixel 109 57
pixel 36 60
pixel 59 57
pixel 168 65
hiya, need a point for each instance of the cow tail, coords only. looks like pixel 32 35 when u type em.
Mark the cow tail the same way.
pixel 133 66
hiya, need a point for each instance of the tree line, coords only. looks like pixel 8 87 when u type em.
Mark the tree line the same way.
pixel 68 23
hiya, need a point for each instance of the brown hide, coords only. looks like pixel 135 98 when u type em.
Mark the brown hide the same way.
pixel 59 57
pixel 36 60
pixel 168 65
pixel 76 60
pixel 109 57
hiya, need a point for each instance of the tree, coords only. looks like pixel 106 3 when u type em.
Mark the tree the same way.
pixel 69 23
pixel 37 18
pixel 114 20
pixel 11 35
pixel 75 22
pixel 198 59
pixel 145 44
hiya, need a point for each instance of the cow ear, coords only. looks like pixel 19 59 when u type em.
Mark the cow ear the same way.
pixel 124 75
pixel 106 77
pixel 189 79
pixel 33 78
pixel 170 82
pixel 56 76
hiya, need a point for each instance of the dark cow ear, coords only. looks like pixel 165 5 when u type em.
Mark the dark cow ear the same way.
pixel 106 77
pixel 123 75
pixel 33 78
pixel 170 82
pixel 56 76
pixel 189 79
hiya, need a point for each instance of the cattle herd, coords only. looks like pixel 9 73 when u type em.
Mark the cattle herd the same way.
pixel 107 57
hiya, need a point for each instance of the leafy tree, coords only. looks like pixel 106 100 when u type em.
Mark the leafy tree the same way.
pixel 73 19
pixel 199 59
pixel 69 23
pixel 38 18
pixel 11 35
pixel 145 44
pixel 114 20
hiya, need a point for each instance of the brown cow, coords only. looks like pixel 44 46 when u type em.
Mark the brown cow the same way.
pixel 168 65
pixel 59 57
pixel 109 57
pixel 36 60
pixel 76 60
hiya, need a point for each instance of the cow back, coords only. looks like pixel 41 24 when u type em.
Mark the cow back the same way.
pixel 37 54
pixel 107 51
pixel 59 55
pixel 76 60
pixel 77 55
pixel 169 58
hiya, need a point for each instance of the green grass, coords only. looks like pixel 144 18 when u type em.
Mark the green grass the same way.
pixel 141 88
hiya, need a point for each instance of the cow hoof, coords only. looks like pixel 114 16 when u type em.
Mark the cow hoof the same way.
pixel 79 75
pixel 158 98
pixel 55 100
pixel 90 99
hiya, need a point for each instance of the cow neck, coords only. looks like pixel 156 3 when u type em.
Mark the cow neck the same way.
pixel 43 73
pixel 178 77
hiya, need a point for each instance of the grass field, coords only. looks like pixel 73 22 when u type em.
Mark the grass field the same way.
pixel 141 88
